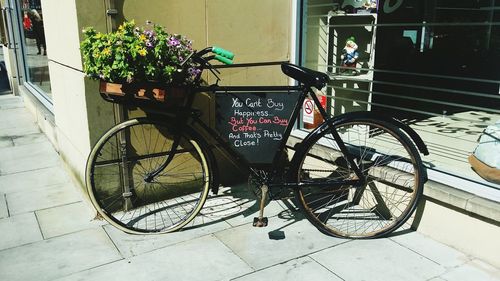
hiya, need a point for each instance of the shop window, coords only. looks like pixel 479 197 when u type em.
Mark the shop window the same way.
pixel 430 63
pixel 35 48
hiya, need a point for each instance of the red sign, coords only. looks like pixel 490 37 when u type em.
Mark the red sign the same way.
pixel 308 107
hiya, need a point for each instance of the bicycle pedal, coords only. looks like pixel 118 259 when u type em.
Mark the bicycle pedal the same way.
pixel 260 222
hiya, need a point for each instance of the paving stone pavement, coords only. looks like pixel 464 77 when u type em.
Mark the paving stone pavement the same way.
pixel 49 233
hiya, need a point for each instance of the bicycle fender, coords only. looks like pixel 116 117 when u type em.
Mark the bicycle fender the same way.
pixel 422 147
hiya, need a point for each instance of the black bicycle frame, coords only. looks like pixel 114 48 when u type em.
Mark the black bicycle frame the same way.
pixel 305 91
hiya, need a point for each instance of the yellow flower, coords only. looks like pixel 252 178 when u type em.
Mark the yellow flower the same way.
pixel 106 51
pixel 142 37
pixel 142 52
pixel 121 27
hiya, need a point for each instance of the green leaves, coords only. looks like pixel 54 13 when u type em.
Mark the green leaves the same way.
pixel 137 54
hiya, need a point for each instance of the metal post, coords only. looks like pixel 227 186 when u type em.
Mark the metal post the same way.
pixel 119 114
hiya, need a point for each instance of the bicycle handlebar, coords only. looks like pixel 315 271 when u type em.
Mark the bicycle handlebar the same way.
pixel 222 52
pixel 224 60
pixel 221 55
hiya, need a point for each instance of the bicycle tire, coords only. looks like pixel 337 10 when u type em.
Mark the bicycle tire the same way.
pixel 167 203
pixel 389 161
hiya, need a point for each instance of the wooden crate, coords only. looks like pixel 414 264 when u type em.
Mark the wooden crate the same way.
pixel 143 93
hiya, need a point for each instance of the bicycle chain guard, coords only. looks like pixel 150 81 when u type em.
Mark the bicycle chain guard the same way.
pixel 275 192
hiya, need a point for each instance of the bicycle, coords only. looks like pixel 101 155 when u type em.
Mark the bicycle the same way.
pixel 357 175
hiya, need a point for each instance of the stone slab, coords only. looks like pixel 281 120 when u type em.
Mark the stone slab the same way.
pixel 19 230
pixel 133 245
pixel 6 142
pixel 484 207
pixel 447 194
pixel 433 250
pixel 5 98
pixel 295 270
pixel 466 233
pixel 13 113
pixel 66 219
pixel 42 198
pixel 19 130
pixel 9 98
pixel 28 157
pixel 15 117
pixel 4 212
pixel 11 105
pixel 203 259
pixel 33 180
pixel 380 259
pixel 29 138
pixel 255 247
pixel 57 257
pixel 9 101
pixel 473 271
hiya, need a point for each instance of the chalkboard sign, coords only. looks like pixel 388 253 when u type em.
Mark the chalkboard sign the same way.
pixel 254 123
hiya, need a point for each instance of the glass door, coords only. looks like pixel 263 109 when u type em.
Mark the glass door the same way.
pixel 35 48
pixel 25 20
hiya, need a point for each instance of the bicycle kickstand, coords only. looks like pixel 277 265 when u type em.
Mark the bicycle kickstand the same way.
pixel 261 221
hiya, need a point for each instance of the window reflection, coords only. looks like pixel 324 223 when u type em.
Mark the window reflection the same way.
pixel 35 48
pixel 430 63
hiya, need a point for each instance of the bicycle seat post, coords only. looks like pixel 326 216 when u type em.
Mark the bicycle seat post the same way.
pixel 261 221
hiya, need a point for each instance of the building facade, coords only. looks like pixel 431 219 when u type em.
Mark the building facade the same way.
pixel 430 63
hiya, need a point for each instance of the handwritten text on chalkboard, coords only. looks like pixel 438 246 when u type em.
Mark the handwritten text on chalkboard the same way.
pixel 253 121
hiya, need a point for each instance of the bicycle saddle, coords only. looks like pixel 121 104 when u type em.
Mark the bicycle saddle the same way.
pixel 305 75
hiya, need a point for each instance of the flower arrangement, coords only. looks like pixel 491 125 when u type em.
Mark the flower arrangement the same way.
pixel 135 54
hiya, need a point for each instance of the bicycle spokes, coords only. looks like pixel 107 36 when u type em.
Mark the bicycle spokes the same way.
pixel 341 204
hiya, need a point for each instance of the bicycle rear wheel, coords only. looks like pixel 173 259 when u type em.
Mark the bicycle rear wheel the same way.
pixel 117 170
pixel 394 181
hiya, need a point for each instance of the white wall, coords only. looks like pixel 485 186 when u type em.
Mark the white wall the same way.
pixel 67 82
pixel 62 32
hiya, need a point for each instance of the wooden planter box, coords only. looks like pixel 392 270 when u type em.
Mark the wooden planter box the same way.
pixel 141 94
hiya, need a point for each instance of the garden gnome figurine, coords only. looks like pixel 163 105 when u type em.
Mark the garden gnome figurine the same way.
pixel 371 5
pixel 349 57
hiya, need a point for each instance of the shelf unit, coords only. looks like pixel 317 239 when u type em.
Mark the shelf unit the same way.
pixel 351 93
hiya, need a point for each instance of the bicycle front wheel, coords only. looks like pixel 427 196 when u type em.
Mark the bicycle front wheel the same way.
pixel 394 180
pixel 119 187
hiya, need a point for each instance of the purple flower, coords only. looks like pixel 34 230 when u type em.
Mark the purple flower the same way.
pixel 149 44
pixel 149 33
pixel 173 42
pixel 194 71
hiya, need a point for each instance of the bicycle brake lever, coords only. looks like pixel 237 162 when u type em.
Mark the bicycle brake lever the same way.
pixel 210 66
pixel 214 71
